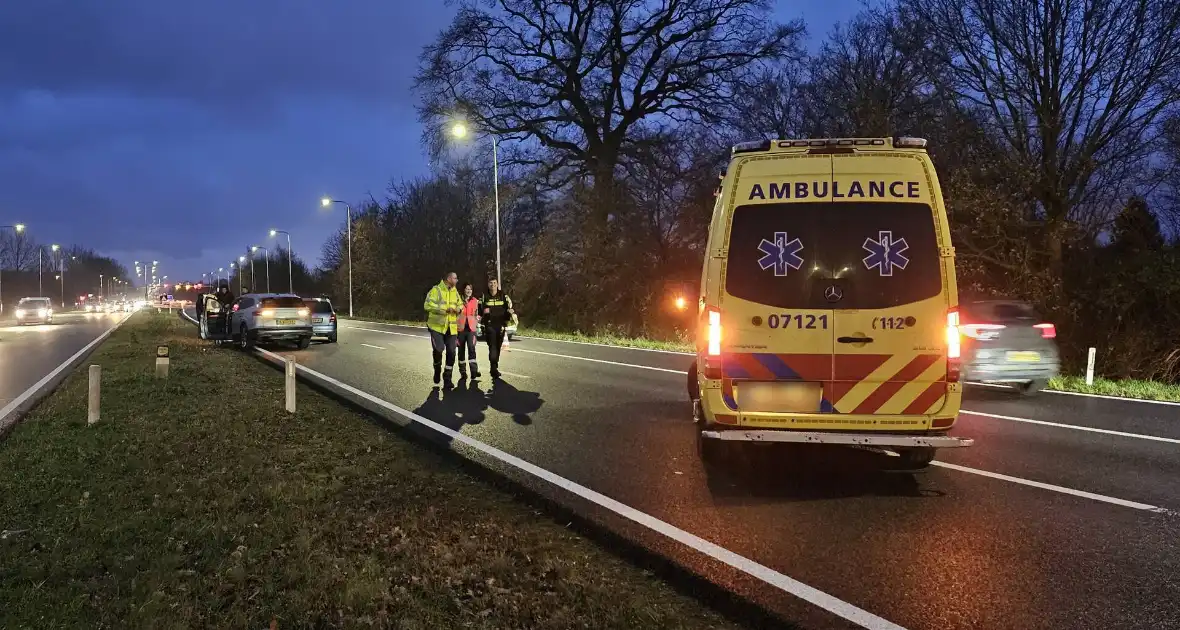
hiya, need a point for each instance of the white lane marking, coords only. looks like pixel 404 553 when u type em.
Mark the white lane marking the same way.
pixel 369 345
pixel 28 393
pixel 1075 427
pixel 513 374
pixel 583 343
pixel 1062 489
pixel 550 354
pixel 1168 403
pixel 787 584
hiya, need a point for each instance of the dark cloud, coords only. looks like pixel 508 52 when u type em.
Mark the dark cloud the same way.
pixel 221 52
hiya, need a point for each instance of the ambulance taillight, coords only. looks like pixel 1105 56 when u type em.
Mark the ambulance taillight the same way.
pixel 713 339
pixel 954 346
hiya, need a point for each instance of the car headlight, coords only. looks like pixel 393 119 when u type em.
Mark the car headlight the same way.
pixel 20 312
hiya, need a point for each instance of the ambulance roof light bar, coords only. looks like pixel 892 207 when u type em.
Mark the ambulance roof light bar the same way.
pixel 901 142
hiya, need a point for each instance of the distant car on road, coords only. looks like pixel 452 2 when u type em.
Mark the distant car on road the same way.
pixel 323 318
pixel 1008 342
pixel 267 317
pixel 34 310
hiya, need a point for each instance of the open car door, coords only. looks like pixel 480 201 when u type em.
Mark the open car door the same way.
pixel 214 320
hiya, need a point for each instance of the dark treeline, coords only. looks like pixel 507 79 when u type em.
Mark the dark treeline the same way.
pixel 1055 126
pixel 85 272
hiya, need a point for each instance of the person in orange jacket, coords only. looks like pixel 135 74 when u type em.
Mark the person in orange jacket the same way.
pixel 468 320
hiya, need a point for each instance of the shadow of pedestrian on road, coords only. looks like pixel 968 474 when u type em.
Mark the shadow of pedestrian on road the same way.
pixel 506 398
pixel 465 404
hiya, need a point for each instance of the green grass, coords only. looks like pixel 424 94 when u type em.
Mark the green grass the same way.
pixel 1125 388
pixel 199 502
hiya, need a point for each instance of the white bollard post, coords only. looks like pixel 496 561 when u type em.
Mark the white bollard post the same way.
pixel 1090 367
pixel 95 390
pixel 290 373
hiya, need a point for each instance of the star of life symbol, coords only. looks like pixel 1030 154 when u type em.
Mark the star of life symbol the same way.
pixel 780 254
pixel 885 253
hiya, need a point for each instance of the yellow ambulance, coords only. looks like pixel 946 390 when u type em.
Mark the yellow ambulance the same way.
pixel 829 311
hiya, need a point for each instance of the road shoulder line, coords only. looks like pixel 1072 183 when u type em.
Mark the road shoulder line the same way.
pixel 1061 489
pixel 1075 427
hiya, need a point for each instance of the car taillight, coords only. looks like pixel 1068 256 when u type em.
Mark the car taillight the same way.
pixel 304 312
pixel 713 343
pixel 235 308
pixel 954 346
pixel 332 319
pixel 1048 331
pixel 266 312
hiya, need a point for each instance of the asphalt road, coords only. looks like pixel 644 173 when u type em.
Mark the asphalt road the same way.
pixel 27 353
pixel 954 547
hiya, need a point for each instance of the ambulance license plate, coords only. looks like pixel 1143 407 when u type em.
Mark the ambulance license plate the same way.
pixel 1024 357
pixel 779 397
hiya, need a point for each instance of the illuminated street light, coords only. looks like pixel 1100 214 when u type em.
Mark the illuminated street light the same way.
pixel 290 267
pixel 327 202
pixel 255 248
pixel 459 131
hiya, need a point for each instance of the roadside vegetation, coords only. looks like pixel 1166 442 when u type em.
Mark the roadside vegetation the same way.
pixel 198 502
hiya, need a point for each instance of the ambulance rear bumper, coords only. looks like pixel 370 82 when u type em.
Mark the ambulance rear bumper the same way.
pixel 851 439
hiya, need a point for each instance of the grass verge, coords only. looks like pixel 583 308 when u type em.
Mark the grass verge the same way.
pixel 1123 388
pixel 198 502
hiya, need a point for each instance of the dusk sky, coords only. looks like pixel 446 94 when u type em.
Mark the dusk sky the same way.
pixel 184 131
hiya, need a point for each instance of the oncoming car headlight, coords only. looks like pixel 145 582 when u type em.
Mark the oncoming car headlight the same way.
pixel 20 312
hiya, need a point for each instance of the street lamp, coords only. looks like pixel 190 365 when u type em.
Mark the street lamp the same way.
pixel 459 131
pixel 61 273
pixel 254 248
pixel 18 228
pixel 290 274
pixel 325 202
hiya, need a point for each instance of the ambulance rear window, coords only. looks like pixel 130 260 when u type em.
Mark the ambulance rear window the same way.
pixel 844 255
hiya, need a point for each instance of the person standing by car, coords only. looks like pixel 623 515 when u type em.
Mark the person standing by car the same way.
pixel 467 326
pixel 442 309
pixel 497 312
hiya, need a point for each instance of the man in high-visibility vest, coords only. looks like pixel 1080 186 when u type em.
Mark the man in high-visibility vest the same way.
pixel 443 306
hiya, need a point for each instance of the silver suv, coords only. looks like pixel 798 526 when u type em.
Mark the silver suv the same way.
pixel 1007 342
pixel 267 317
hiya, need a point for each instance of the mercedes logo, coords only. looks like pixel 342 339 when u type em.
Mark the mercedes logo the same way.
pixel 833 293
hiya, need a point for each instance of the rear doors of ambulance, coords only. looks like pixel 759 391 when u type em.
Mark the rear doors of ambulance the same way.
pixel 834 283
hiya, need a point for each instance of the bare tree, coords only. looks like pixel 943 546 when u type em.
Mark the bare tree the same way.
pixel 591 82
pixel 774 104
pixel 18 250
pixel 1073 88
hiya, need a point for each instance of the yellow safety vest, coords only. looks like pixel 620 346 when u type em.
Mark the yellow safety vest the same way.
pixel 438 300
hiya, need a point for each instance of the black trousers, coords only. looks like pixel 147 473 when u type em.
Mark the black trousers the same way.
pixel 466 343
pixel 443 342
pixel 495 341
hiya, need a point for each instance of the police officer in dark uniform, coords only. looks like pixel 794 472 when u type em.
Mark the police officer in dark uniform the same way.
pixel 497 313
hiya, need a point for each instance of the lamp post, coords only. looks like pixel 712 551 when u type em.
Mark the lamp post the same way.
pixel 102 288
pixel 459 130
pixel 326 201
pixel 290 273
pixel 255 248
pixel 18 228
pixel 219 272
pixel 61 272
pixel 40 266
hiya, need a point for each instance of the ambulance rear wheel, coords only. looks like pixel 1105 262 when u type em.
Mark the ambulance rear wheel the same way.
pixel 916 458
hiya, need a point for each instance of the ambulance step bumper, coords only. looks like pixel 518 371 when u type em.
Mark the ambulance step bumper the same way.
pixel 851 439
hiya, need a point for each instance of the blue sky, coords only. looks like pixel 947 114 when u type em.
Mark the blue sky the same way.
pixel 183 132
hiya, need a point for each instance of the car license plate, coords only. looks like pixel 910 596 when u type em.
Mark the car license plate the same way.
pixel 1024 357
pixel 318 320
pixel 779 397
pixel 285 322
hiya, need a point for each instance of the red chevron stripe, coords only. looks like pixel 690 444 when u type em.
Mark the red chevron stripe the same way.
pixel 886 390
pixel 926 398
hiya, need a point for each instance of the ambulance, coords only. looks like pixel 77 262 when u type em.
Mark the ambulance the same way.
pixel 829 310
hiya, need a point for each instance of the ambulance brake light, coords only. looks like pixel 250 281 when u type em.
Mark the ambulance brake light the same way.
pixel 954 347
pixel 714 337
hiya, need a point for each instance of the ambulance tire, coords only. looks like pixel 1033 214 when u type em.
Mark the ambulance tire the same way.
pixel 916 458
pixel 694 388
pixel 711 451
